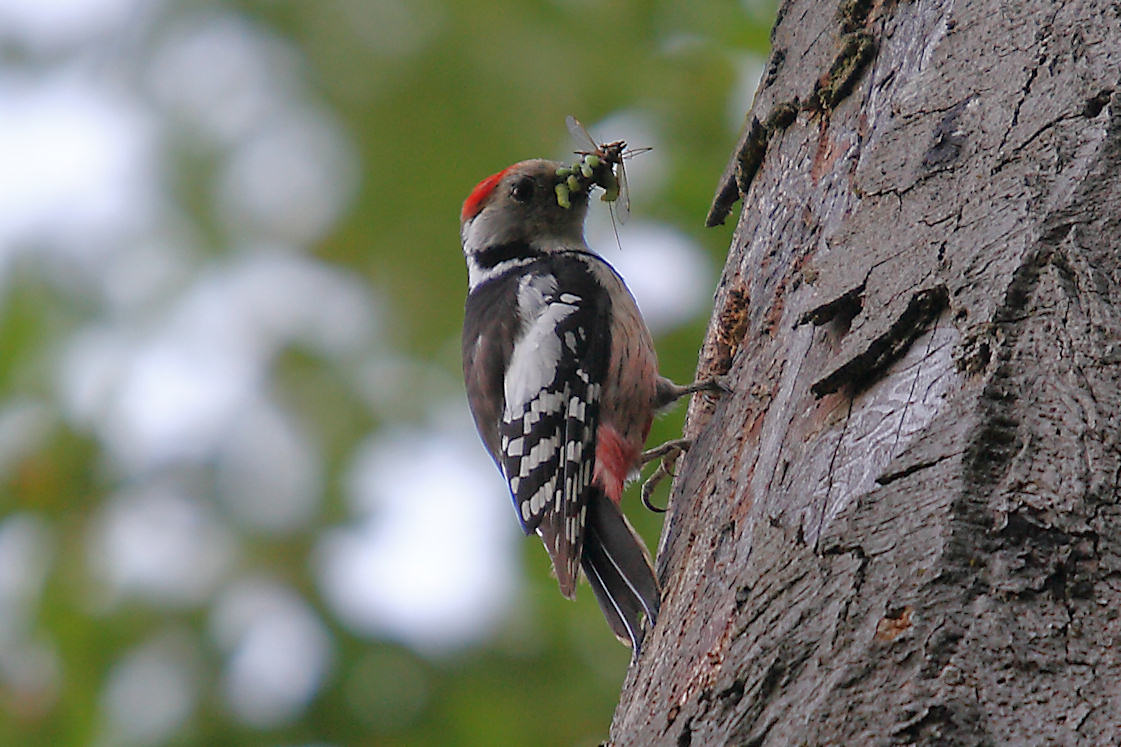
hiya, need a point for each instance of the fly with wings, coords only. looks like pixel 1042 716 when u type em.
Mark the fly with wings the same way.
pixel 561 373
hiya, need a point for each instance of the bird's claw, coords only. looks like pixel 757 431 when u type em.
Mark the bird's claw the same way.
pixel 669 452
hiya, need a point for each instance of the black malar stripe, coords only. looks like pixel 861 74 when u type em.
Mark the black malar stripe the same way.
pixel 493 256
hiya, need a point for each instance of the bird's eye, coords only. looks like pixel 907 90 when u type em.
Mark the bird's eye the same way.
pixel 522 191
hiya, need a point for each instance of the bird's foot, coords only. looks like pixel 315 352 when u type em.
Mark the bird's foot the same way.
pixel 668 453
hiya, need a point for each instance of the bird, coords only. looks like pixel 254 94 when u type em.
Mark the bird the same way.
pixel 562 379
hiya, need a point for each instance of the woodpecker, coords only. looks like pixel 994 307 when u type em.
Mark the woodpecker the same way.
pixel 562 381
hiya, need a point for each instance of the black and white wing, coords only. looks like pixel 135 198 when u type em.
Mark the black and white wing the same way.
pixel 552 393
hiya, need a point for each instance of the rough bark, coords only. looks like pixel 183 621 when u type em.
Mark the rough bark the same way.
pixel 903 526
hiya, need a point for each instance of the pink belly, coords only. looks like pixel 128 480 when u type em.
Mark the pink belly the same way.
pixel 615 458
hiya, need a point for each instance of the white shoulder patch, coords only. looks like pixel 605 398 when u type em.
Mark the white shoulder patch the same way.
pixel 538 350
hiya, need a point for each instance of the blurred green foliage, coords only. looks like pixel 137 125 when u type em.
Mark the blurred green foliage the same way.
pixel 435 95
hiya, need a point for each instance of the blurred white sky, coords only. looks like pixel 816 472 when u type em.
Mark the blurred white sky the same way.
pixel 172 370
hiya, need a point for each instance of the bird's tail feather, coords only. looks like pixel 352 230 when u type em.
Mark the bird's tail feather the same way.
pixel 615 562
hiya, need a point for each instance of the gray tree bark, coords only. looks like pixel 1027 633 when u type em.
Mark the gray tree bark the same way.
pixel 903 526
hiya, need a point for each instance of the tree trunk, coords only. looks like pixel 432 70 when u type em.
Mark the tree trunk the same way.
pixel 903 525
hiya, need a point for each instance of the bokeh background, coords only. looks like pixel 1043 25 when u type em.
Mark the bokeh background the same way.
pixel 241 500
